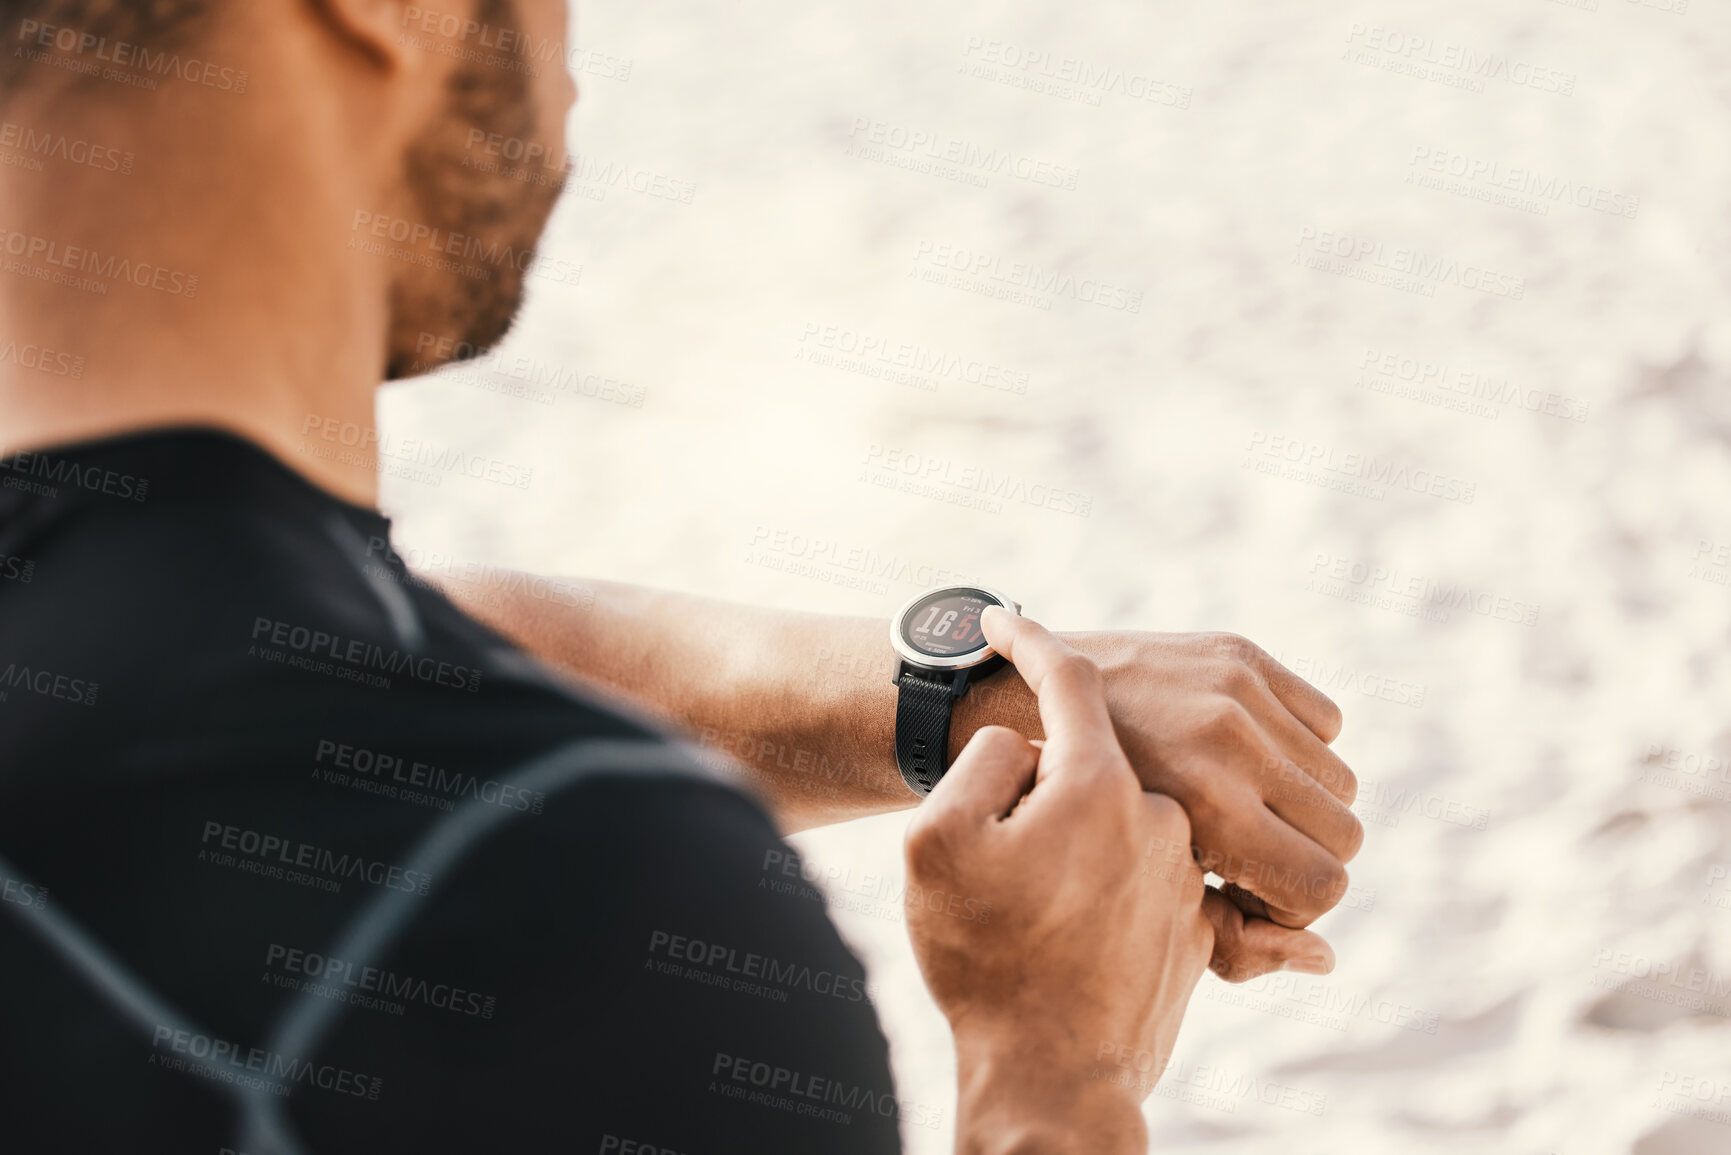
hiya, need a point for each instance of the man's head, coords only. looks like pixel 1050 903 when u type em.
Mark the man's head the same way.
pixel 460 179
pixel 421 144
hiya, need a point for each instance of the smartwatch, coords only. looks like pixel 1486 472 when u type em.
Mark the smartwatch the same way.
pixel 937 638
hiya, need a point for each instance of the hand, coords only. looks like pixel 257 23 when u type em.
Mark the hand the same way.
pixel 1241 743
pixel 1093 944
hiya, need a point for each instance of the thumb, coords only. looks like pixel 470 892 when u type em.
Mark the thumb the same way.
pixel 989 777
pixel 1246 947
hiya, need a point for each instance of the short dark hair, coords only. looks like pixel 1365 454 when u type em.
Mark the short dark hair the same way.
pixel 157 23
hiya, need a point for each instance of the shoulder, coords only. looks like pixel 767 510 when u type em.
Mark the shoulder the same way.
pixel 639 977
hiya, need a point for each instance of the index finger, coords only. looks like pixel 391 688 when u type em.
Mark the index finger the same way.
pixel 1071 692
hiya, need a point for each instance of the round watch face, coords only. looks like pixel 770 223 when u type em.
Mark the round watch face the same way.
pixel 945 624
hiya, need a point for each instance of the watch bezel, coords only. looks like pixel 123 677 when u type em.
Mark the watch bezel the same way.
pixel 955 661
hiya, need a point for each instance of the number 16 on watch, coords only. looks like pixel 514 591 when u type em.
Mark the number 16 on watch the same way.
pixel 937 636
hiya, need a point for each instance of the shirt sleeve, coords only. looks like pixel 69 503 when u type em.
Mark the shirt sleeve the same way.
pixel 625 972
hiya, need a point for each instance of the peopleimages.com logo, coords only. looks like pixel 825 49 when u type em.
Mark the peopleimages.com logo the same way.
pixel 1400 266
pixel 356 655
pixel 255 1068
pixel 40 358
pixel 1015 279
pixel 41 473
pixel 38 39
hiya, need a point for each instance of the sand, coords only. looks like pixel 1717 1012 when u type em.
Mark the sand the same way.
pixel 1392 336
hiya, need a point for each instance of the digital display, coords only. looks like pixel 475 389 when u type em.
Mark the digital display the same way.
pixel 947 624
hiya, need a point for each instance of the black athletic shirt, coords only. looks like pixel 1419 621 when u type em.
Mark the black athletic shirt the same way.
pixel 296 857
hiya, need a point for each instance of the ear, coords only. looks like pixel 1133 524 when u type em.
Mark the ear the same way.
pixel 388 33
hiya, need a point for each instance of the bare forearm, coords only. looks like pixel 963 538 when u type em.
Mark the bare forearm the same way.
pixel 803 701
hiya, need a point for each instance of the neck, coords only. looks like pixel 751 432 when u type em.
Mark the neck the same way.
pixel 210 286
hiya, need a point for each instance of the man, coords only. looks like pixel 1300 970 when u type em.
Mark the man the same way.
pixel 298 857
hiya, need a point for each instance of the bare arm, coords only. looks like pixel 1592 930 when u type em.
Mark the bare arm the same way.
pixel 805 703
pixel 802 701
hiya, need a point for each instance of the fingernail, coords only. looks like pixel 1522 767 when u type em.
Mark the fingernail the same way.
pixel 1310 964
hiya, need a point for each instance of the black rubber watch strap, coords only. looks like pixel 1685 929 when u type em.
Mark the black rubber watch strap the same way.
pixel 923 730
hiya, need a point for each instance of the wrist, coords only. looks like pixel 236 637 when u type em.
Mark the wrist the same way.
pixel 823 723
pixel 1016 1094
pixel 999 699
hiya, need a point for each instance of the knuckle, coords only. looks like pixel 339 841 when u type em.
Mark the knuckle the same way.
pixel 1353 837
pixel 1237 663
pixel 1282 778
pixel 1332 775
pixel 1206 814
pixel 1228 959
pixel 1329 774
pixel 1079 668
pixel 1225 964
pixel 1348 783
pixel 1224 721
pixel 1230 964
pixel 1343 784
pixel 1167 818
pixel 1330 883
pixel 927 846
pixel 1225 831
pixel 1214 859
pixel 1234 679
pixel 1235 649
pixel 1330 717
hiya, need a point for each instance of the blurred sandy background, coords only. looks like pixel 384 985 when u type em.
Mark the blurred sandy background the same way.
pixel 1537 953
